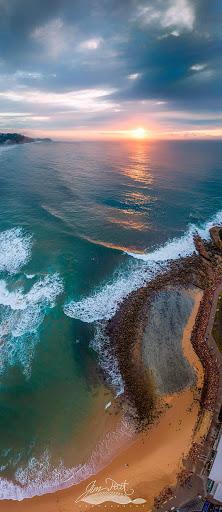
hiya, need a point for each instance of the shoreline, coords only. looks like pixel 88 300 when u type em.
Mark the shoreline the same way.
pixel 188 348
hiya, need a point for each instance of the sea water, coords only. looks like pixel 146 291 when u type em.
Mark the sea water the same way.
pixel 81 226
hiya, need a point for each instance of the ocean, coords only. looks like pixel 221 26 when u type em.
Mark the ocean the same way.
pixel 82 224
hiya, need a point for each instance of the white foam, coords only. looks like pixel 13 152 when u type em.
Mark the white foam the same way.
pixel 103 303
pixel 20 318
pixel 14 299
pixel 15 250
pixel 46 290
pixel 179 247
pixel 176 248
pixel 107 359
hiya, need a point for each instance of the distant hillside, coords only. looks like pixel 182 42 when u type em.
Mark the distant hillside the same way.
pixel 17 138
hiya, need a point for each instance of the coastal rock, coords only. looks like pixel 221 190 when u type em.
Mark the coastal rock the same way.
pixel 216 236
pixel 200 247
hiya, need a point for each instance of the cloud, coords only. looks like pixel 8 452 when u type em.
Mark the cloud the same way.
pixel 178 14
pixel 85 100
pixel 198 67
pixel 91 44
pixel 134 76
pixel 34 75
pixel 51 37
pixel 13 114
pixel 94 62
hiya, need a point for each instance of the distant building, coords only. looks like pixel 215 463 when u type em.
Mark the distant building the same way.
pixel 215 476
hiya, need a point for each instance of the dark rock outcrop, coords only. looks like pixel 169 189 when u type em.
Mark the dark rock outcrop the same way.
pixel 216 236
pixel 17 138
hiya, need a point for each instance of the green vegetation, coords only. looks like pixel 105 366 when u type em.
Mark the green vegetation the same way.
pixel 17 138
pixel 14 138
pixel 217 327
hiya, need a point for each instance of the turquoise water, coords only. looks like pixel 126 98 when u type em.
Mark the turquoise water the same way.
pixel 81 225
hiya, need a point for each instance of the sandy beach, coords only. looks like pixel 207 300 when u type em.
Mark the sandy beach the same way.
pixel 188 350
pixel 153 460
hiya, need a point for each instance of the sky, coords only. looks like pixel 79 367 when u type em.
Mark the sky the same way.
pixel 77 69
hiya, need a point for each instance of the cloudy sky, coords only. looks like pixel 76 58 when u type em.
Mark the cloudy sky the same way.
pixel 100 68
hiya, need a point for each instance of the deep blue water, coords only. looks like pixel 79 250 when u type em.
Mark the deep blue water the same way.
pixel 81 225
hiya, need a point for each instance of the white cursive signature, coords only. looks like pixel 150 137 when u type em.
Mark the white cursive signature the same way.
pixel 112 491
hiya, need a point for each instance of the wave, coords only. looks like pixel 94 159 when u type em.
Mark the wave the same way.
pixel 103 303
pixel 15 250
pixel 21 315
pixel 179 247
pixel 43 291
pixel 107 360
pixel 41 476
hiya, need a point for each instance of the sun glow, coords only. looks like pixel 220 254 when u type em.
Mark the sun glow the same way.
pixel 139 133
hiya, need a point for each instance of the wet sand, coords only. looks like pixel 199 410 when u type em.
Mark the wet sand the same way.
pixel 162 340
pixel 188 350
pixel 153 460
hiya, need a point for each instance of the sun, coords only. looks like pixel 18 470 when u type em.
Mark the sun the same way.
pixel 139 133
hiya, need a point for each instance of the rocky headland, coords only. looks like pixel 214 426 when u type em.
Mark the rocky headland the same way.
pixel 8 139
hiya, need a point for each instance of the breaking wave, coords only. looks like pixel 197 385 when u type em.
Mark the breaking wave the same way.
pixel 179 247
pixel 15 250
pixel 103 303
pixel 107 359
pixel 21 315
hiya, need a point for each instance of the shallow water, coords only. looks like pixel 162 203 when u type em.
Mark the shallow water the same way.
pixel 81 225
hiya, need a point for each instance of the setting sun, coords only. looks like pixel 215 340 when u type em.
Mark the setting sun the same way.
pixel 139 133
